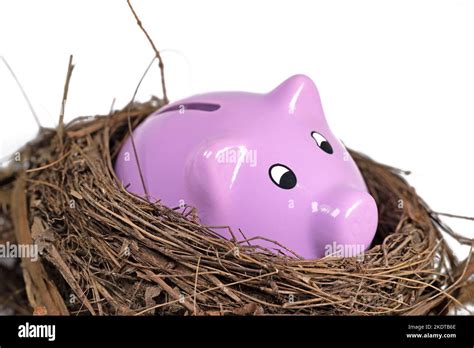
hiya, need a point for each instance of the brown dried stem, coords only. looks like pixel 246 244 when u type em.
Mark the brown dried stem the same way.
pixel 157 53
pixel 63 103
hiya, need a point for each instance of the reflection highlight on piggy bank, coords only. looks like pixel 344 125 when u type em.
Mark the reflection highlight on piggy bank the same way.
pixel 266 164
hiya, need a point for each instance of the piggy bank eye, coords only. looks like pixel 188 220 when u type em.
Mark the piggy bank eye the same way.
pixel 322 142
pixel 282 176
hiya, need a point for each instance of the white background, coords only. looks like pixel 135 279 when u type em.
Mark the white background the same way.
pixel 396 78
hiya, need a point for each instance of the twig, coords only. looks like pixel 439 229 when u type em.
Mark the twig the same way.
pixel 130 130
pixel 157 53
pixel 195 284
pixel 38 287
pixel 49 164
pixel 30 106
pixel 63 104
pixel 455 216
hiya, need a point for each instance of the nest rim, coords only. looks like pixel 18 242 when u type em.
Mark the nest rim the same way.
pixel 406 271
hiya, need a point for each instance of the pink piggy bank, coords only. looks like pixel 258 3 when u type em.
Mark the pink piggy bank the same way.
pixel 266 164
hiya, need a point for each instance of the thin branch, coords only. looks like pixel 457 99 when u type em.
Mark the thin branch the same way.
pixel 130 129
pixel 30 106
pixel 195 284
pixel 455 216
pixel 157 53
pixel 63 104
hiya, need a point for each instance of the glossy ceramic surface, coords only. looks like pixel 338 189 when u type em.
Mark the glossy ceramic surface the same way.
pixel 265 163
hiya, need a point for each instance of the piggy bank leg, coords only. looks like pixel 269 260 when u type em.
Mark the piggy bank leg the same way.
pixel 344 223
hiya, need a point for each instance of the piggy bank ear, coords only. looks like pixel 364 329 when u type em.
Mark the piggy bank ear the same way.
pixel 212 170
pixel 297 95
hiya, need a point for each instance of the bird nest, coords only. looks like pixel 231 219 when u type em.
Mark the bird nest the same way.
pixel 105 251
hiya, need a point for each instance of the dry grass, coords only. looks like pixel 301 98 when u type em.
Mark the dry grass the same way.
pixel 106 251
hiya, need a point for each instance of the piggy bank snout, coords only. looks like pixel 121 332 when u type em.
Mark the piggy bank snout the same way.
pixel 349 223
pixel 360 216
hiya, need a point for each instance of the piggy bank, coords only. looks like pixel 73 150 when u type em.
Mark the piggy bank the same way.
pixel 265 164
